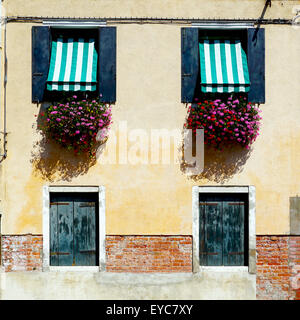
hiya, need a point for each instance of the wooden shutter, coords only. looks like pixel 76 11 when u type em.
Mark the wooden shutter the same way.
pixel 107 64
pixel 210 233
pixel 73 230
pixel 189 63
pixel 41 42
pixel 85 232
pixel 222 230
pixel 233 233
pixel 61 232
pixel 256 64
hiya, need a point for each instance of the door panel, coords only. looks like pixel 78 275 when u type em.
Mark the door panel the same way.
pixel 85 232
pixel 210 233
pixel 233 233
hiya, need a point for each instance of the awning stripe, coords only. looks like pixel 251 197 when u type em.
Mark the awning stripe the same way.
pixel 223 66
pixel 73 65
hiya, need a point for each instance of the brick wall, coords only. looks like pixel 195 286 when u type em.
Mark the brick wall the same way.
pixel 277 260
pixel 22 252
pixel 149 253
pixel 294 260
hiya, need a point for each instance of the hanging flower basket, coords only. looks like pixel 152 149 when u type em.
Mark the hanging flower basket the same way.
pixel 77 124
pixel 227 122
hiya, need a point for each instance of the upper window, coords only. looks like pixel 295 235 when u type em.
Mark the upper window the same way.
pixel 73 62
pixel 222 62
pixel 65 61
pixel 223 65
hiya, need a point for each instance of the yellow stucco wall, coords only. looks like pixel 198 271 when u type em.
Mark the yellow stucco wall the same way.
pixel 153 199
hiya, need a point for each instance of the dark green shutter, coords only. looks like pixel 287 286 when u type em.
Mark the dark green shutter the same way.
pixel 73 230
pixel 222 230
pixel 40 61
pixel 210 233
pixel 85 232
pixel 107 64
pixel 54 256
pixel 61 231
pixel 256 64
pixel 233 233
pixel 189 63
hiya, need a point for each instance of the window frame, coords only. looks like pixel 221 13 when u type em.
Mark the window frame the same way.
pixel 190 62
pixel 46 226
pixel 107 58
pixel 250 190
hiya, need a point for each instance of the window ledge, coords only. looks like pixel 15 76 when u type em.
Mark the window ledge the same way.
pixel 75 269
pixel 224 269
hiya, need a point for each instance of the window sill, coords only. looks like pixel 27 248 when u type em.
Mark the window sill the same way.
pixel 75 269
pixel 224 269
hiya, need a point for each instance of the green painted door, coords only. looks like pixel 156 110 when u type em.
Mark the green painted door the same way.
pixel 73 230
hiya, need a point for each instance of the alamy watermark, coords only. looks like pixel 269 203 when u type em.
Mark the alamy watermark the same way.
pixel 153 147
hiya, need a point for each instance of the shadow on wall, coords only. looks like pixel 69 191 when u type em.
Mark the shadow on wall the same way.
pixel 54 163
pixel 219 165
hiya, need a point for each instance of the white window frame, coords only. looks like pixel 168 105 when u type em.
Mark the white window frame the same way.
pixel 46 226
pixel 250 190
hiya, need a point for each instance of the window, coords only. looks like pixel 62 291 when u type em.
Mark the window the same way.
pixel 73 228
pixel 73 60
pixel 224 227
pixel 223 61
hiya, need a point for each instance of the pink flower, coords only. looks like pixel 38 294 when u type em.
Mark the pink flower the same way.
pixel 77 131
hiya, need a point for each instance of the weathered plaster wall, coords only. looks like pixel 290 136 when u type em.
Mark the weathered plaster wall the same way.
pixel 153 199
pixel 151 8
pixel 148 199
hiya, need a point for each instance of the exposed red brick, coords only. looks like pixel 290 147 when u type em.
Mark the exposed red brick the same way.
pixel 277 261
pixel 149 254
pixel 22 252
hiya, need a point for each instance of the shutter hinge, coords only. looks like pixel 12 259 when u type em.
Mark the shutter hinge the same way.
pixel 56 253
pixel 59 203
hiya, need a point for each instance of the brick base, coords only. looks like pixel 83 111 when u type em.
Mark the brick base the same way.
pixel 149 253
pixel 22 252
pixel 277 261
pixel 278 258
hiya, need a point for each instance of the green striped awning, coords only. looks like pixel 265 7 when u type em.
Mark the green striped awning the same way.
pixel 223 66
pixel 73 65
